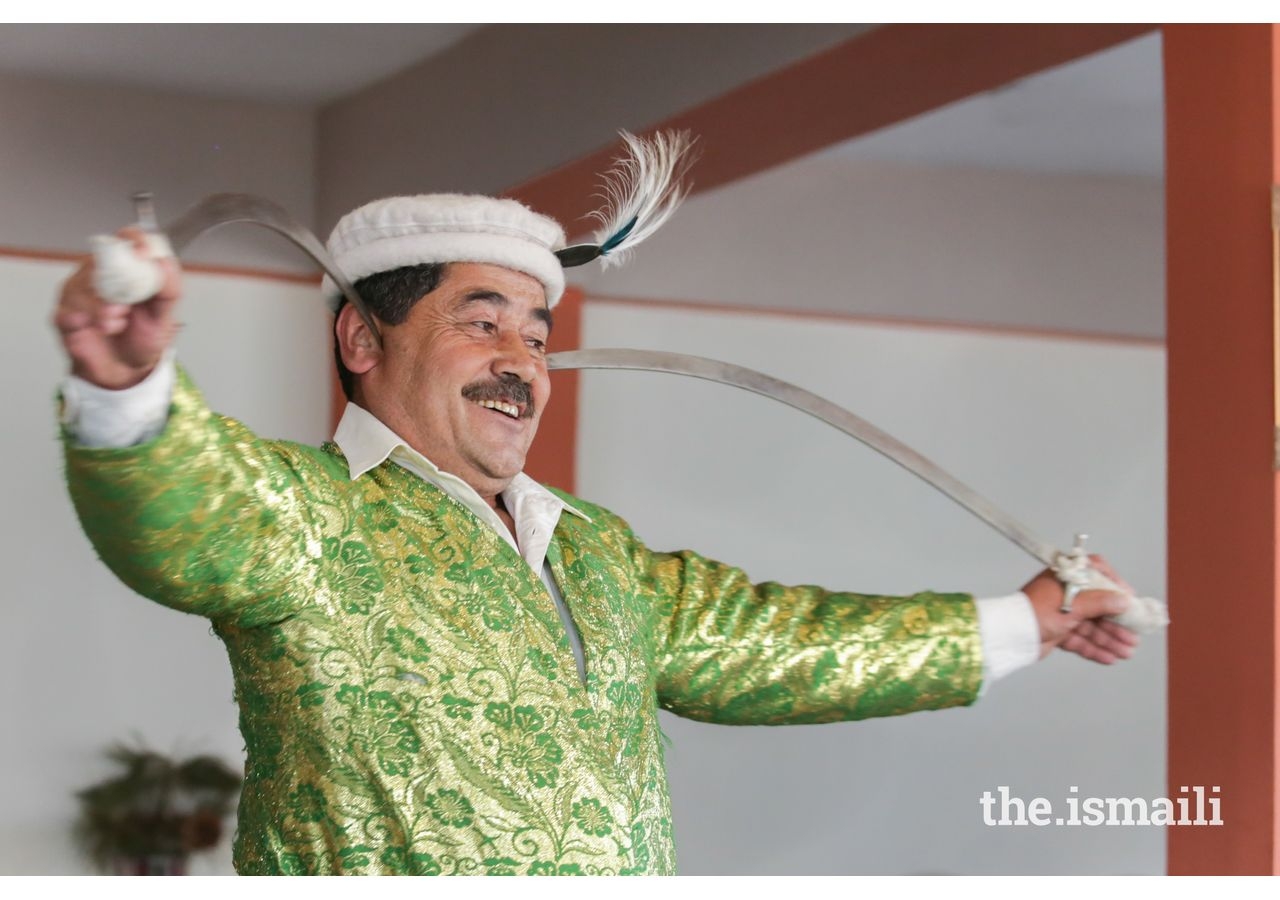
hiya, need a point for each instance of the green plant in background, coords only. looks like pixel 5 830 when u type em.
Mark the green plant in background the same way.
pixel 157 812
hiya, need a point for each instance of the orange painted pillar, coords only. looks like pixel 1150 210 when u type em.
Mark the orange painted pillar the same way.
pixel 1222 158
pixel 554 455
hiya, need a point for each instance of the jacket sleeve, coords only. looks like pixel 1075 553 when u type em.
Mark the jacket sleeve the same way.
pixel 205 518
pixel 733 652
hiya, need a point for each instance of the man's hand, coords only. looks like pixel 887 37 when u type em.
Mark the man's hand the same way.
pixel 112 345
pixel 1083 631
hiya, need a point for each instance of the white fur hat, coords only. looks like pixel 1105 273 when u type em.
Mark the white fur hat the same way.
pixel 443 228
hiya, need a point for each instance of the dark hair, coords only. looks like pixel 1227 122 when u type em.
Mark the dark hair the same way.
pixel 390 296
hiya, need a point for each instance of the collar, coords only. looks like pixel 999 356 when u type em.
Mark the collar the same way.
pixel 367 443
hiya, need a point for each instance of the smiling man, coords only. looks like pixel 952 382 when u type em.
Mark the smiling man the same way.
pixel 441 665
pixel 464 379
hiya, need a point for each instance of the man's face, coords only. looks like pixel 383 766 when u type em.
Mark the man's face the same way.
pixel 464 378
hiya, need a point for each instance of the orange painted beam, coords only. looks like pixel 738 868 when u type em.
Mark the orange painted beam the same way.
pixel 885 76
pixel 1221 117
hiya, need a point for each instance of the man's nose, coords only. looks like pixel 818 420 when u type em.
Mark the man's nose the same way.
pixel 515 357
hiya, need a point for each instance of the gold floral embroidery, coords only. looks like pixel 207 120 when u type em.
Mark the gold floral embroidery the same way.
pixel 407 697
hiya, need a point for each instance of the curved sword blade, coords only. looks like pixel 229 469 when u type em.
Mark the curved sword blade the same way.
pixel 224 209
pixel 819 408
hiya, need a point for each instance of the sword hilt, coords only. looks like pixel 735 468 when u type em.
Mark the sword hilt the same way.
pixel 119 274
pixel 1077 574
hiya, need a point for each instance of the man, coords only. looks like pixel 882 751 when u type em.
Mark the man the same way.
pixel 441 665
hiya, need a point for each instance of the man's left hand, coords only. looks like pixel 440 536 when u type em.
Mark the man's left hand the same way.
pixel 1084 631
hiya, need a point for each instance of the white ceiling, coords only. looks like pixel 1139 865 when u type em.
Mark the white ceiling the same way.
pixel 1102 114
pixel 302 64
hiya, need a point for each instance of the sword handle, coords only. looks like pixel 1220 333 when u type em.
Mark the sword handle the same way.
pixel 119 274
pixel 1143 615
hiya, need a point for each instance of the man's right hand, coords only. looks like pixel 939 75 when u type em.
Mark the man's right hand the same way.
pixel 1084 630
pixel 111 345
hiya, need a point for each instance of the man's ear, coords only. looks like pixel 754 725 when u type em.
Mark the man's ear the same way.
pixel 359 348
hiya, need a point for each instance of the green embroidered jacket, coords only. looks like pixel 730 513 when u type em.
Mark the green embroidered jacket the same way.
pixel 408 696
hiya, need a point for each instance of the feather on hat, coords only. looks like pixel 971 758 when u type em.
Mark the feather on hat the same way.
pixel 641 191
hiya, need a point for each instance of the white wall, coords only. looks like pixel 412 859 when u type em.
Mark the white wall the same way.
pixel 72 154
pixel 1067 435
pixel 1068 252
pixel 85 661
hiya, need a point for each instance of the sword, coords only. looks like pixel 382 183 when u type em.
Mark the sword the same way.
pixel 1145 614
pixel 217 210
pixel 121 276
pixel 822 409
pixel 1072 567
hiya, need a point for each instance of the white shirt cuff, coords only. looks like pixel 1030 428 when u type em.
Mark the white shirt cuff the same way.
pixel 98 417
pixel 1010 635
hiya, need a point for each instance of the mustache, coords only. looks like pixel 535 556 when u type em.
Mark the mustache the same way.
pixel 505 389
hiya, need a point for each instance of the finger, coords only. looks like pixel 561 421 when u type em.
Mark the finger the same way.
pixel 77 305
pixel 1092 604
pixel 171 286
pixel 1100 563
pixel 1101 639
pixel 1082 647
pixel 1090 651
pixel 69 319
pixel 77 290
pixel 113 318
pixel 1118 632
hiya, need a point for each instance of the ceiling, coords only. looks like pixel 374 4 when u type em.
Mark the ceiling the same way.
pixel 1101 115
pixel 296 64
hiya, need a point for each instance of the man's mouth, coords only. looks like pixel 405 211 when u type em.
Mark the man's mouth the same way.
pixel 509 396
pixel 507 409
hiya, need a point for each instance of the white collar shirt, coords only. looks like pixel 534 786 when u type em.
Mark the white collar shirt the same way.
pixel 367 443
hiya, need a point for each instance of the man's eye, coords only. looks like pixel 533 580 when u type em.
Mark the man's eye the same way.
pixel 537 344
pixel 485 326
